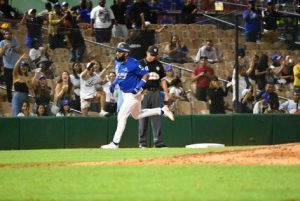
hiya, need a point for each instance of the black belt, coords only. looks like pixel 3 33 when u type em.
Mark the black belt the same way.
pixel 152 89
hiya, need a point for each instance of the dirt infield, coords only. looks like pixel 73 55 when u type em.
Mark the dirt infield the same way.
pixel 286 154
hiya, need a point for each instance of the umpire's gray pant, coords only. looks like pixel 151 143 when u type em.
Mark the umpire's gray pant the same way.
pixel 151 100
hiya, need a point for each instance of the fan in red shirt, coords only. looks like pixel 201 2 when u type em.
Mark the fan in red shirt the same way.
pixel 202 74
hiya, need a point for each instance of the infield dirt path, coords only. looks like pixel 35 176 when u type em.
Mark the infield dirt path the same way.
pixel 285 154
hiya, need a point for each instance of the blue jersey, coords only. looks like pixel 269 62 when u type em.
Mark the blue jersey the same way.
pixel 252 22
pixel 128 74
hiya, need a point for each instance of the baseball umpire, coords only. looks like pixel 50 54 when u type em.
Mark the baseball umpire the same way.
pixel 152 99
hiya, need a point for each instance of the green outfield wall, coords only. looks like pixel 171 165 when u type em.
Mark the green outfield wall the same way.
pixel 92 132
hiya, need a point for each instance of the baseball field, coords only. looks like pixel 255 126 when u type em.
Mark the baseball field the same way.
pixel 267 173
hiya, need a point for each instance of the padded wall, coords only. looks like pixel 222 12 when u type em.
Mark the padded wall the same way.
pixel 42 133
pixel 83 132
pixel 212 129
pixel 249 129
pixel 9 133
pixel 178 133
pixel 286 129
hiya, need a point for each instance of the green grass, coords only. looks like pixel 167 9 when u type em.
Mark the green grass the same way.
pixel 147 183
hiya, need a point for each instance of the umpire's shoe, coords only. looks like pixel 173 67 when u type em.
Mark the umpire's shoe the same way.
pixel 167 113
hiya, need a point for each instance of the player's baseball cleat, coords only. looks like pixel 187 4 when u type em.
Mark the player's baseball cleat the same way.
pixel 167 113
pixel 111 145
pixel 103 113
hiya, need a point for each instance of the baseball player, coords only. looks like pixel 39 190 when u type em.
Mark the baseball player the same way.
pixel 131 78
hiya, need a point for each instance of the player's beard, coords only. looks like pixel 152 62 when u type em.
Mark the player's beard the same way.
pixel 121 58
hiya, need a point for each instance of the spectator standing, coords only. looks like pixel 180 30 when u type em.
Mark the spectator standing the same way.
pixel 251 72
pixel 155 10
pixel 88 92
pixel 84 11
pixel 202 74
pixel 175 52
pixel 207 51
pixel 273 97
pixel 120 27
pixel 45 13
pixel 102 21
pixel 153 98
pixel 137 44
pixel 10 52
pixel 216 95
pixel 22 85
pixel 188 12
pixel 8 11
pixel 111 99
pixel 75 79
pixel 291 105
pixel 261 70
pixel 75 39
pixel 56 37
pixel 251 17
pixel 243 84
pixel 34 25
pixel 262 106
pixel 296 72
pixel 135 11
pixel 63 89
pixel 269 18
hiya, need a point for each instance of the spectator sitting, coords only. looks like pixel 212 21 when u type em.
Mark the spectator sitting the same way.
pixel 262 106
pixel 25 110
pixel 41 111
pixel 216 97
pixel 202 74
pixel 208 51
pixel 273 97
pixel 247 101
pixel 65 109
pixel 286 75
pixel 46 67
pixel 291 105
pixel 75 79
pixel 43 93
pixel 175 52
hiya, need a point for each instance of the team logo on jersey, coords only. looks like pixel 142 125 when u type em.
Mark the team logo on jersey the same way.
pixel 157 68
pixel 122 75
pixel 153 76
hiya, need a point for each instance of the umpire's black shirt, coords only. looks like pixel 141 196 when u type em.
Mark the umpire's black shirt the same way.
pixel 156 73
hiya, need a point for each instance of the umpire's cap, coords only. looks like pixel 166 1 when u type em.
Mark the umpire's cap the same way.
pixel 123 47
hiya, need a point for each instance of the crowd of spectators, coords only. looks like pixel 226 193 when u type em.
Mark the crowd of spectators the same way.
pixel 85 86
